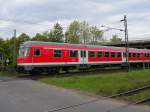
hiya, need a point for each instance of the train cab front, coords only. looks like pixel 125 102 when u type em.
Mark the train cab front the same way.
pixel 24 59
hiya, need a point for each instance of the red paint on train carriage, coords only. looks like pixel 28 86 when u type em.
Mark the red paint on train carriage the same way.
pixel 53 54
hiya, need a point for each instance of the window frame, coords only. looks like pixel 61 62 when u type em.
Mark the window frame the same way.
pixel 100 56
pixel 54 54
pixel 107 54
pixel 138 55
pixel 73 56
pixel 39 52
pixel 113 55
pixel 119 54
pixel 91 54
pixel 130 55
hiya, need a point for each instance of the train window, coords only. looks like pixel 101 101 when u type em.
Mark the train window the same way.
pixel 91 54
pixel 130 55
pixel 118 54
pixel 145 55
pixel 57 53
pixel 138 55
pixel 107 54
pixel 134 55
pixel 113 54
pixel 83 54
pixel 73 53
pixel 26 52
pixel 99 54
pixel 37 52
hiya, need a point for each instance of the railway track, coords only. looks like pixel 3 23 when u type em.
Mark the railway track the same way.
pixel 91 72
pixel 130 92
pixel 101 71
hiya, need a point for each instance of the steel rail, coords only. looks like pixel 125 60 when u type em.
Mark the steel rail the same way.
pixel 128 105
pixel 133 91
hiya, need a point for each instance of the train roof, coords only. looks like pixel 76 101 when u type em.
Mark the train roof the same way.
pixel 30 43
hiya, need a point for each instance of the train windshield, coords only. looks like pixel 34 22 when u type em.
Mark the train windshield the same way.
pixel 24 52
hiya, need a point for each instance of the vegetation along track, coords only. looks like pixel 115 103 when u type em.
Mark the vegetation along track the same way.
pixel 92 71
pixel 130 92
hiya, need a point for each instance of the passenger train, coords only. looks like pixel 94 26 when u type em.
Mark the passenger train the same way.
pixel 39 57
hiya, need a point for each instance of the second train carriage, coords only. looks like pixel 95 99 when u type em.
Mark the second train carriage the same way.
pixel 36 56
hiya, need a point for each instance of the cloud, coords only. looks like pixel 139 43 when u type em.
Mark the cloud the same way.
pixel 39 15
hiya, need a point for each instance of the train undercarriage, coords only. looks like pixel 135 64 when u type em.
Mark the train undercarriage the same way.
pixel 56 69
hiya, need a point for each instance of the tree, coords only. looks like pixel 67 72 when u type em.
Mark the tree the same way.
pixel 72 33
pixel 96 35
pixel 40 37
pixel 115 39
pixel 84 32
pixel 21 38
pixel 57 33
pixel 2 49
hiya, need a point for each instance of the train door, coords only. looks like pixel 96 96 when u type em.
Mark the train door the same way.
pixel 83 57
pixel 123 57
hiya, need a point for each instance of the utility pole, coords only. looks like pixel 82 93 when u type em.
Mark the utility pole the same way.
pixel 126 41
pixel 14 50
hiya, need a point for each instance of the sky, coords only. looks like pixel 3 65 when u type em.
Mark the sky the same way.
pixel 32 16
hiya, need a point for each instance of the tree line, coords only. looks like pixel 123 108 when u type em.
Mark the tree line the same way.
pixel 76 33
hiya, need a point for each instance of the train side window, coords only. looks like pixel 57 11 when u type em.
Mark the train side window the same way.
pixel 37 52
pixel 134 55
pixel 130 55
pixel 57 53
pixel 138 55
pixel 118 54
pixel 73 53
pixel 113 55
pixel 26 52
pixel 99 54
pixel 91 54
pixel 145 55
pixel 107 54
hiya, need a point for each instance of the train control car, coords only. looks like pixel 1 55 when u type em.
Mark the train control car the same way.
pixel 38 57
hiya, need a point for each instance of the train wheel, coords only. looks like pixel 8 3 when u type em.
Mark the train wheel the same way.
pixel 54 71
pixel 35 72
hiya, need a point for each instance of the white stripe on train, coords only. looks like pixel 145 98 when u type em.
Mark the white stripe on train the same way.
pixel 69 63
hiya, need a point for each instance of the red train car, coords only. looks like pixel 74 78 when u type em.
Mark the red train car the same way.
pixel 36 56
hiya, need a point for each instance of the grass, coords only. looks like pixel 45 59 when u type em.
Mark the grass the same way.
pixel 7 74
pixel 10 74
pixel 100 84
pixel 139 96
pixel 104 85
